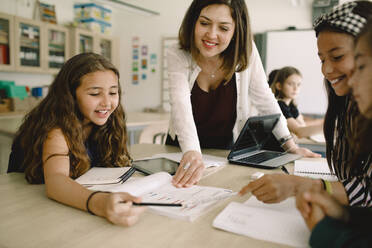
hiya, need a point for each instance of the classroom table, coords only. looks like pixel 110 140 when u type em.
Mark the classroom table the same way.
pixel 29 219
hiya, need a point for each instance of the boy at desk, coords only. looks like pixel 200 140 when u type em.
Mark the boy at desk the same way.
pixel 78 125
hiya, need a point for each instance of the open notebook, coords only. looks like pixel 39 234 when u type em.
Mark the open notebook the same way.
pixel 314 169
pixel 158 188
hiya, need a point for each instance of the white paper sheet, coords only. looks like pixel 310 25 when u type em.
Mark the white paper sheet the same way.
pixel 278 223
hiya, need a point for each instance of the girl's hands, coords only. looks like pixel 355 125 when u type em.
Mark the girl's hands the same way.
pixel 118 208
pixel 314 205
pixel 190 170
pixel 271 188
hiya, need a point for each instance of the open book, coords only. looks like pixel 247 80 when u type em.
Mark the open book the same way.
pixel 158 188
pixel 279 223
pixel 314 169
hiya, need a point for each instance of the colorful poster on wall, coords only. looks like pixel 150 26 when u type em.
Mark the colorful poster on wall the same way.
pixel 144 64
pixel 153 62
pixel 144 50
pixel 142 60
pixel 135 79
pixel 135 57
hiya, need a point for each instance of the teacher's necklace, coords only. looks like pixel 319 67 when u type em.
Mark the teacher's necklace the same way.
pixel 212 74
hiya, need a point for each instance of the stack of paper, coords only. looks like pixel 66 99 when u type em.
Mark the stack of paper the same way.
pixel 278 223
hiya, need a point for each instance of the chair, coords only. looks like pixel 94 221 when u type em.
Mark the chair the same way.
pixel 154 134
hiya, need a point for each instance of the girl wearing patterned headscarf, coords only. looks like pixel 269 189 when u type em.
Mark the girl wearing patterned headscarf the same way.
pixel 336 32
pixel 332 224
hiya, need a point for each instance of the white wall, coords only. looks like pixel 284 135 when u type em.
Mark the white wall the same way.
pixel 265 15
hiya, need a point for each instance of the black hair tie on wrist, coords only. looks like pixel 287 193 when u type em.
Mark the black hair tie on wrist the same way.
pixel 90 197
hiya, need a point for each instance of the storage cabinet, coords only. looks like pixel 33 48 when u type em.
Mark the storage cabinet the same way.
pixel 83 41
pixel 29 44
pixel 6 42
pixel 33 46
pixel 57 38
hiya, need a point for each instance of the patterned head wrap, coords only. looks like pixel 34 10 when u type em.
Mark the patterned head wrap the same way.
pixel 343 18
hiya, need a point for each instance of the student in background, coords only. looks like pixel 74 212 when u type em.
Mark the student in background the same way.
pixel 215 76
pixel 286 86
pixel 79 124
pixel 332 224
pixel 270 78
pixel 336 32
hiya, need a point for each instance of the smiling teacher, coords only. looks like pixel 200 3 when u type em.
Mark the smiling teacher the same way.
pixel 215 78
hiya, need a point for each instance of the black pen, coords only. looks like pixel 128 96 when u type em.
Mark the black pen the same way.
pixel 285 170
pixel 157 204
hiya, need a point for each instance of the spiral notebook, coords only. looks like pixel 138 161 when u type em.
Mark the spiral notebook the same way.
pixel 314 169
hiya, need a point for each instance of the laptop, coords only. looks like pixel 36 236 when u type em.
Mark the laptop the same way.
pixel 256 145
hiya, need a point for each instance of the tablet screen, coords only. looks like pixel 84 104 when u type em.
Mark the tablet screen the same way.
pixel 152 166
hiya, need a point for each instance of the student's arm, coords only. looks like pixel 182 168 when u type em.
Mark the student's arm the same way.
pixel 273 188
pixel 60 187
pixel 303 130
pixel 359 189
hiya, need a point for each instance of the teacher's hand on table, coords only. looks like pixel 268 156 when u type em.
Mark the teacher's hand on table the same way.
pixel 190 170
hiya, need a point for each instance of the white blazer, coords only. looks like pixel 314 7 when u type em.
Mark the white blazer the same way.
pixel 253 92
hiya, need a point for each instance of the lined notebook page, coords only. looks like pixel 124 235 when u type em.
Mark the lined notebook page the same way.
pixel 314 169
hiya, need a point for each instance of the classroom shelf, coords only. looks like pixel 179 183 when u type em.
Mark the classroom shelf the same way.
pixel 6 42
pixel 58 47
pixel 87 41
pixel 29 41
pixel 33 46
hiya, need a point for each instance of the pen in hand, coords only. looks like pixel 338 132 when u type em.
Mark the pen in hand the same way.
pixel 157 204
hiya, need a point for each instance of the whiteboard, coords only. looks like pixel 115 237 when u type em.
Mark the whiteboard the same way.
pixel 298 48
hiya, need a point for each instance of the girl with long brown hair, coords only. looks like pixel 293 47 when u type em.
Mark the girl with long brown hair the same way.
pixel 78 125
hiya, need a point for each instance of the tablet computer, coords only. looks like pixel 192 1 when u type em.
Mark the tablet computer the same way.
pixel 151 166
